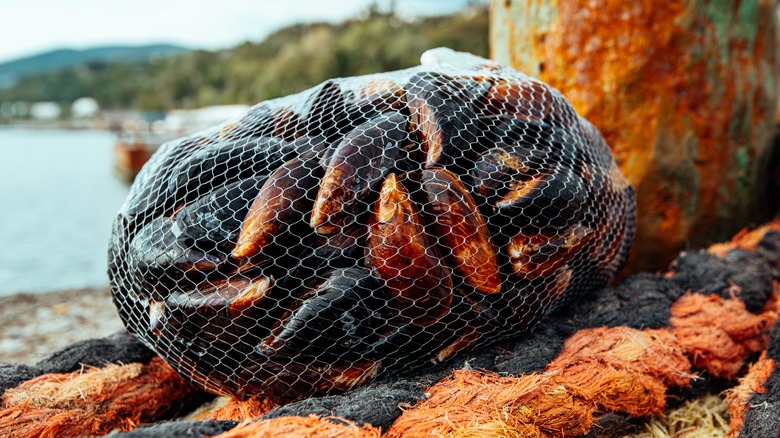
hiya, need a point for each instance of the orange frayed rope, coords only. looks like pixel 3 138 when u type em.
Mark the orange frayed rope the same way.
pixel 302 427
pixel 602 370
pixel 599 370
pixel 90 402
pixel 752 383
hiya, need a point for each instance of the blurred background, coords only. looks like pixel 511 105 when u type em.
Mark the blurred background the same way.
pixel 88 90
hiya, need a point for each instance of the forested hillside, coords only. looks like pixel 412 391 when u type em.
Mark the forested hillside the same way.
pixel 287 61
pixel 66 58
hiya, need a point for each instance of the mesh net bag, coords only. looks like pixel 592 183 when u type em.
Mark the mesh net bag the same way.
pixel 367 224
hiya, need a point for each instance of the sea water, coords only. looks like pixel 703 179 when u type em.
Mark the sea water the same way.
pixel 58 198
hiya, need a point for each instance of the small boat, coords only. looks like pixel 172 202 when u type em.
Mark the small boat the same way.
pixel 138 141
pixel 132 150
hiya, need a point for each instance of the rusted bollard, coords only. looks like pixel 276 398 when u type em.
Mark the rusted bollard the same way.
pixel 685 92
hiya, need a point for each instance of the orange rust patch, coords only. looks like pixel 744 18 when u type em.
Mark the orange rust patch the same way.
pixel 684 95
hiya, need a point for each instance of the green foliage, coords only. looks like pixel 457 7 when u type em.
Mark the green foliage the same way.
pixel 289 60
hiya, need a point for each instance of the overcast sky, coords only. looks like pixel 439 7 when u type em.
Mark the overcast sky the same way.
pixel 33 26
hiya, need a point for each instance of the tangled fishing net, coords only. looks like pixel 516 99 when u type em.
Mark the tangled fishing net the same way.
pixel 368 224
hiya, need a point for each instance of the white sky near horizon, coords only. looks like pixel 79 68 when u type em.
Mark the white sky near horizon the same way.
pixel 34 26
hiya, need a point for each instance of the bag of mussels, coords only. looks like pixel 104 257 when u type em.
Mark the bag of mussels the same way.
pixel 368 224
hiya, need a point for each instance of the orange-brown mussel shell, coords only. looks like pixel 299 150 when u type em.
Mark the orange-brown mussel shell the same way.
pixel 460 229
pixel 525 99
pixel 465 341
pixel 541 254
pixel 544 201
pixel 357 166
pixel 234 295
pixel 400 254
pixel 283 201
pixel 381 95
pixel 206 310
pixel 443 114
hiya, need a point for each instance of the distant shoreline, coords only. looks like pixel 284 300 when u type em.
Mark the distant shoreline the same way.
pixel 35 324
pixel 60 125
pixel 61 291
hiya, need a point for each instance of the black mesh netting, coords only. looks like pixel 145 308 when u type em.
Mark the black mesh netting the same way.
pixel 367 224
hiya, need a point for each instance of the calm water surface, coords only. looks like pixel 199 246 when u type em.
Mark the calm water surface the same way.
pixel 58 197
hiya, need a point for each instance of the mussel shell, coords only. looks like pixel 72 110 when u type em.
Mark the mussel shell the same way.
pixel 335 323
pixel 358 165
pixel 159 262
pixel 211 224
pixel 461 232
pixel 527 99
pixel 301 378
pixel 220 311
pixel 500 131
pixel 443 115
pixel 538 255
pixel 543 146
pixel 544 202
pixel 529 300
pixel 404 345
pixel 498 169
pixel 280 210
pixel 312 148
pixel 331 112
pixel 190 169
pixel 403 256
pixel 381 95
pixel 147 199
pixel 214 167
pixel 262 120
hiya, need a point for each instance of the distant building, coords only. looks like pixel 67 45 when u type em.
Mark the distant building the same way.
pixel 116 120
pixel 12 110
pixel 189 121
pixel 45 111
pixel 84 108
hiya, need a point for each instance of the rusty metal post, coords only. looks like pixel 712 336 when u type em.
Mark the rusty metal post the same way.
pixel 684 91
